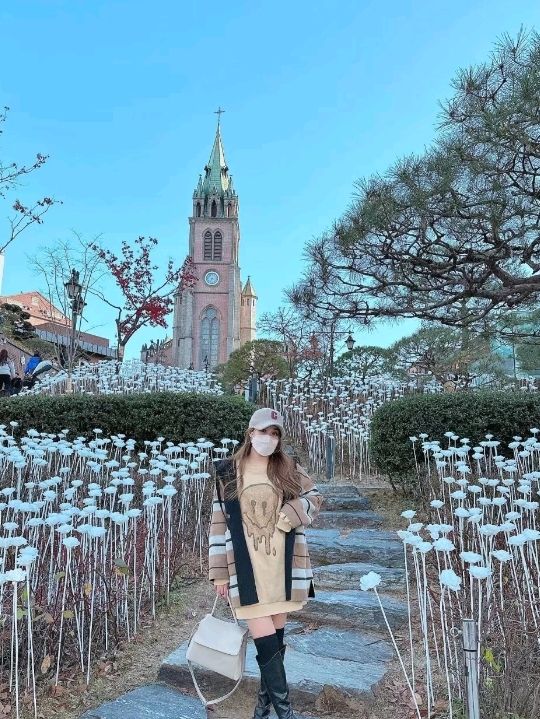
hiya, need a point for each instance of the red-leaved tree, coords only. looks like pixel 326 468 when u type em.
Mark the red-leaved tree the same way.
pixel 146 299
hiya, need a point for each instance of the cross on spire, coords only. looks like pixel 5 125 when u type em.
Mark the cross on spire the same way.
pixel 219 112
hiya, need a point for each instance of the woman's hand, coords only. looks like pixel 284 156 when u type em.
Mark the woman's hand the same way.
pixel 222 590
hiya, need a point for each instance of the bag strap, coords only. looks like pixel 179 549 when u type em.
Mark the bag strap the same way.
pixel 203 699
pixel 230 606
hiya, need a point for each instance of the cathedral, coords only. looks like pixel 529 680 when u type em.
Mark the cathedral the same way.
pixel 217 315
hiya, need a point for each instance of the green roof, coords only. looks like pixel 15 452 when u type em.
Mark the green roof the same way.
pixel 216 171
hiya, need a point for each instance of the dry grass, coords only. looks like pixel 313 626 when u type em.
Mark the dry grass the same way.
pixel 130 665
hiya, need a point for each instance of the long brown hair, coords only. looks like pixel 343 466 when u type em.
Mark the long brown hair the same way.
pixel 3 356
pixel 282 470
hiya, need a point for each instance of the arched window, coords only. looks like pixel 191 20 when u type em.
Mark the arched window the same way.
pixel 218 246
pixel 207 246
pixel 214 209
pixel 198 209
pixel 229 210
pixel 209 344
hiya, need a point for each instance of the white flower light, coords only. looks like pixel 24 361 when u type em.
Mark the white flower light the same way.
pixel 369 581
pixel 480 572
pixel 471 557
pixel 15 575
pixel 489 530
pixel 443 545
pixel 502 555
pixel 70 542
pixel 448 578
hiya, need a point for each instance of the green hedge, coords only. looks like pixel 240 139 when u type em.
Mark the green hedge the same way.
pixel 468 414
pixel 177 417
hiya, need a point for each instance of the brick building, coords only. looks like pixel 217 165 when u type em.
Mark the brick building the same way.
pixel 53 326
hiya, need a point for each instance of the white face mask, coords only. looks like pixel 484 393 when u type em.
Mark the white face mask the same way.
pixel 264 444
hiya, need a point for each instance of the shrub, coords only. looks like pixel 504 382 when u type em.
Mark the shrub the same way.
pixel 468 414
pixel 177 417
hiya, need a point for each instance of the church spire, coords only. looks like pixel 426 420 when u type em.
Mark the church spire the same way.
pixel 248 290
pixel 214 195
pixel 216 172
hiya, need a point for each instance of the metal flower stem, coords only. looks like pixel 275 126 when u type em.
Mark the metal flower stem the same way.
pixel 398 654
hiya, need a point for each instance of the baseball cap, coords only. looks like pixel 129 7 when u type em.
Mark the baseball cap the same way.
pixel 266 417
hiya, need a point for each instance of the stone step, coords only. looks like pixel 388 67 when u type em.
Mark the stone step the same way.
pixel 159 701
pixel 343 519
pixel 350 662
pixel 343 497
pixel 329 546
pixel 347 576
pixel 151 701
pixel 351 502
pixel 340 490
pixel 352 607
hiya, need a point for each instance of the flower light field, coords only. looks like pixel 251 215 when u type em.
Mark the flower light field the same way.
pixel 477 558
pixel 93 534
pixel 94 529
pixel 111 377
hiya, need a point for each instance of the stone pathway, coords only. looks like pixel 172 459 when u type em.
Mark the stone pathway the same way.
pixel 337 651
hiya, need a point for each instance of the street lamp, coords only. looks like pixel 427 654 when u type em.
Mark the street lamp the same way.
pixel 73 286
pixel 350 342
pixel 73 289
pixel 333 323
pixel 206 363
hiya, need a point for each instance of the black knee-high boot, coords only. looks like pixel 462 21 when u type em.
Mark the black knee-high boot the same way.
pixel 264 704
pixel 266 648
pixel 275 680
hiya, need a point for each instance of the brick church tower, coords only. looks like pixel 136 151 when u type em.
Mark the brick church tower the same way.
pixel 217 315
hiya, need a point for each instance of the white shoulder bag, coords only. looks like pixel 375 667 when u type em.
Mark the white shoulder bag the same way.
pixel 220 646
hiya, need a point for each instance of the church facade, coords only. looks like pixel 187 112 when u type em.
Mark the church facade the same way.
pixel 217 315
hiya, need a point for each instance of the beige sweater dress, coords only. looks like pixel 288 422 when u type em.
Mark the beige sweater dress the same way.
pixel 265 527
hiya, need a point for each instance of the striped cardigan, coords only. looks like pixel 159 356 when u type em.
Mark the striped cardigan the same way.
pixel 228 553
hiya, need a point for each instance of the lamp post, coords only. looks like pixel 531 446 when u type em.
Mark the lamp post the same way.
pixel 253 384
pixel 350 342
pixel 206 363
pixel 332 333
pixel 73 289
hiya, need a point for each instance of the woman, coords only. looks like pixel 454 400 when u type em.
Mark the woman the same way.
pixel 258 552
pixel 7 372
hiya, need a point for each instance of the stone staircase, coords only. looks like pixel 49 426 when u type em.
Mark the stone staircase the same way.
pixel 337 645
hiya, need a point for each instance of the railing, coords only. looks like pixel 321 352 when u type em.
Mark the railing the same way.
pixel 86 346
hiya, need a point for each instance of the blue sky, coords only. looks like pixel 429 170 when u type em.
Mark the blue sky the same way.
pixel 121 94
